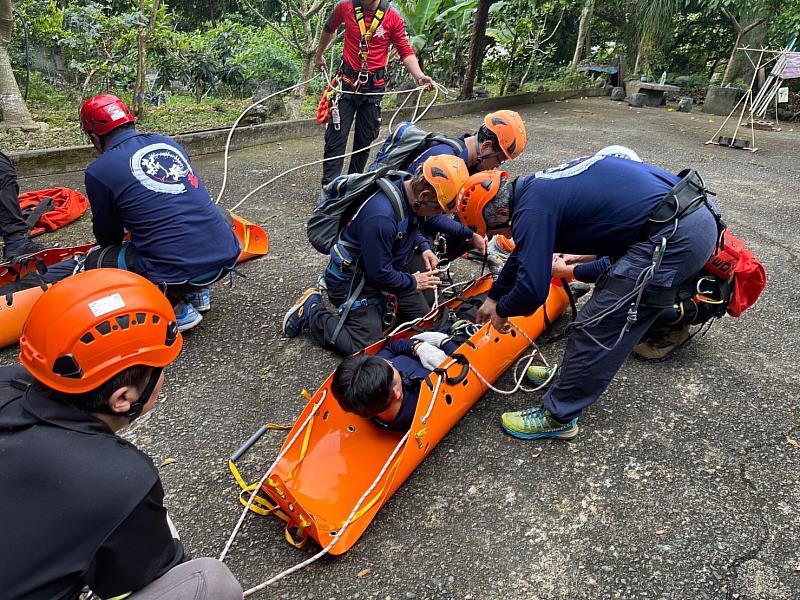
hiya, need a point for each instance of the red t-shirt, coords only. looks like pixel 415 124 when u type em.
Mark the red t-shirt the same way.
pixel 392 29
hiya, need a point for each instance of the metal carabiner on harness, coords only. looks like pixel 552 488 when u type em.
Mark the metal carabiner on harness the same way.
pixel 363 77
pixel 336 119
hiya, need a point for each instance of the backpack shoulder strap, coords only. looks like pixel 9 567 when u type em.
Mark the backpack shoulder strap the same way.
pixel 456 144
pixel 395 197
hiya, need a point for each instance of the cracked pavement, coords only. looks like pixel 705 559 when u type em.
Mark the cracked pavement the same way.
pixel 681 485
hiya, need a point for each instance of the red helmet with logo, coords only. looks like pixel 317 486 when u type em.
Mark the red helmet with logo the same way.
pixel 104 113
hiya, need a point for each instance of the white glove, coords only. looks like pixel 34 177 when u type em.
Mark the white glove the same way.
pixel 435 338
pixel 430 356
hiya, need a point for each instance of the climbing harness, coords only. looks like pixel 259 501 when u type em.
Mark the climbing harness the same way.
pixel 687 196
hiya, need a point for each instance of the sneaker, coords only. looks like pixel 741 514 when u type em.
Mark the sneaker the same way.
pixel 201 299
pixel 20 247
pixel 296 319
pixel 464 328
pixel 186 315
pixel 537 422
pixel 659 344
pixel 538 374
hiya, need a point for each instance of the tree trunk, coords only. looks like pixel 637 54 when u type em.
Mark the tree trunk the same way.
pixel 145 33
pixel 15 111
pixel 731 67
pixel 299 94
pixel 583 32
pixel 476 46
pixel 141 66
pixel 510 66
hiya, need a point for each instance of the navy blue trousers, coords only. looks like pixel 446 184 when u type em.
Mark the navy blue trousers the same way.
pixel 586 368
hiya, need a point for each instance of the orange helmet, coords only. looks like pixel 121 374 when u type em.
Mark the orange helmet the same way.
pixel 510 130
pixel 478 191
pixel 88 328
pixel 446 174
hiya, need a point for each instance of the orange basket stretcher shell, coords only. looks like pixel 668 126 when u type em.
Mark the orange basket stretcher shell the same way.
pixel 14 310
pixel 252 237
pixel 322 476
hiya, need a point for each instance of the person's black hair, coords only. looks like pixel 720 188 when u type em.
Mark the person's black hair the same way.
pixel 484 133
pixel 96 400
pixel 117 130
pixel 362 385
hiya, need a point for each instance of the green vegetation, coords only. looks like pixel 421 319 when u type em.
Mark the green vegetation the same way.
pixel 206 59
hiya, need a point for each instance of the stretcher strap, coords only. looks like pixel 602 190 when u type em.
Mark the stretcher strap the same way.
pixel 280 456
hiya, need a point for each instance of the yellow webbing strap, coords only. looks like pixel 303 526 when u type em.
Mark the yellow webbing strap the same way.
pixel 300 532
pixel 260 505
pixel 366 34
pixel 303 450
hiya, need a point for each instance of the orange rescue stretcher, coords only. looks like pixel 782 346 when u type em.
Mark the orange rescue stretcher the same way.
pixel 14 308
pixel 336 456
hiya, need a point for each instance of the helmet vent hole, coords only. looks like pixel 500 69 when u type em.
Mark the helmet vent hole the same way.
pixel 104 328
pixel 156 319
pixel 141 318
pixel 87 338
pixel 67 366
pixel 124 321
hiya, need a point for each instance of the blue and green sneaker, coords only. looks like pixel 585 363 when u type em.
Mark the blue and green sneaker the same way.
pixel 537 422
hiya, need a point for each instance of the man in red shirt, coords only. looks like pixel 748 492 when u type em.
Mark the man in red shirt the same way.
pixel 369 27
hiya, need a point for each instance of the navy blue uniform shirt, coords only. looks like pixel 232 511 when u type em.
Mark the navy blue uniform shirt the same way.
pixel 436 151
pixel 399 353
pixel 144 184
pixel 589 206
pixel 375 231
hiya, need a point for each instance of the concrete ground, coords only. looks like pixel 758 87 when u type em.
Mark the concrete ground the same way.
pixel 681 485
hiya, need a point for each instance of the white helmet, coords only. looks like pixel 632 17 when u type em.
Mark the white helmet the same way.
pixel 619 152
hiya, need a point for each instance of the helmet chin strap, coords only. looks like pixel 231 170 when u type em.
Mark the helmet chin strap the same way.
pixel 137 406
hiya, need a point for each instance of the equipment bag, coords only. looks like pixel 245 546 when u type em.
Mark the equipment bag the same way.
pixel 340 200
pixel 406 143
pixel 749 279
pixel 48 210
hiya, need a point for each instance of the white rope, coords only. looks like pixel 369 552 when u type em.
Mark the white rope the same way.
pixel 356 508
pixel 236 123
pixel 342 529
pixel 346 154
pixel 267 474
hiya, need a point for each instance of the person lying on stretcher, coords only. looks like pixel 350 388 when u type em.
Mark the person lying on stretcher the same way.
pixel 385 387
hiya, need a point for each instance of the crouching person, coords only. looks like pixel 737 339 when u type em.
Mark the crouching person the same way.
pixel 143 183
pixel 385 387
pixel 371 258
pixel 82 506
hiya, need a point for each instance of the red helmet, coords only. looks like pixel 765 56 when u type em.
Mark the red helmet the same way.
pixel 104 113
pixel 477 192
pixel 88 328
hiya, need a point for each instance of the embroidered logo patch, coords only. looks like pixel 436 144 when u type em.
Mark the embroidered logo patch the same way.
pixel 162 168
